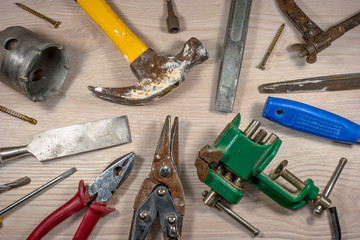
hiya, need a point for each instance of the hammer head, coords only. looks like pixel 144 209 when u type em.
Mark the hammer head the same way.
pixel 157 75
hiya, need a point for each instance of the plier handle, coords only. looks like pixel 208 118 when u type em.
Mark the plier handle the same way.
pixel 96 195
pixel 161 194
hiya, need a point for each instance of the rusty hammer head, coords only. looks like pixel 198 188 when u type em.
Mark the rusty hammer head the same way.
pixel 157 75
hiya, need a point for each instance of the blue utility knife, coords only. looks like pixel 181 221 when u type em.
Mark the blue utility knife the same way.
pixel 312 120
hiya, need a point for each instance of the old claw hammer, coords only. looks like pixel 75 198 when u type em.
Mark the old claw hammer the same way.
pixel 157 75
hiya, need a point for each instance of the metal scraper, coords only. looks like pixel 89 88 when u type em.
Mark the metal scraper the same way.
pixel 71 140
pixel 235 37
pixel 340 82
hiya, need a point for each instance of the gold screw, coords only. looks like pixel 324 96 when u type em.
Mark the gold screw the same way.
pixel 271 47
pixel 18 115
pixel 53 22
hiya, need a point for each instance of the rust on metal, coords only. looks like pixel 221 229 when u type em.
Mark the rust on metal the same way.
pixel 329 83
pixel 157 75
pixel 167 154
pixel 316 39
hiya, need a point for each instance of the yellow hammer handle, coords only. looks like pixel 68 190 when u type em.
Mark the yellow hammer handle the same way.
pixel 123 38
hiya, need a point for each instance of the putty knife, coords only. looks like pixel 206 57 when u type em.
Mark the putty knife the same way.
pixel 71 140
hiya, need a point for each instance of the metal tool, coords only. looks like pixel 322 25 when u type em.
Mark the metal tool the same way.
pixel 18 115
pixel 335 224
pixel 312 120
pixel 238 157
pixel 96 196
pixel 32 66
pixel 316 39
pixel 43 187
pixel 157 75
pixel 15 184
pixel 315 84
pixel 172 21
pixel 234 45
pixel 161 194
pixel 271 47
pixel 73 139
pixel 56 24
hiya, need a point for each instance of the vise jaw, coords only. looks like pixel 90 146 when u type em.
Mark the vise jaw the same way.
pixel 237 157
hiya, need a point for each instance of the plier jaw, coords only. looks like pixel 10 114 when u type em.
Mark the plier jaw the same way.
pixel 161 194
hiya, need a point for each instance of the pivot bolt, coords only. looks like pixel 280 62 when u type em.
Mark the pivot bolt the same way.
pixel 161 192
pixel 143 215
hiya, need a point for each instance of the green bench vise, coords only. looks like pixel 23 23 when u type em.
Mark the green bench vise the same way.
pixel 238 157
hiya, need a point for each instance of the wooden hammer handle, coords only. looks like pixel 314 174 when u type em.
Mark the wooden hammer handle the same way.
pixel 123 38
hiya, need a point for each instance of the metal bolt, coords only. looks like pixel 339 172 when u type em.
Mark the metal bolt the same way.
pixel 171 218
pixel 260 136
pixel 271 139
pixel 18 115
pixel 212 199
pixel 271 47
pixel 251 129
pixel 172 20
pixel 228 175
pixel 239 219
pixel 220 170
pixel 165 171
pixel 143 215
pixel 239 182
pixel 53 22
pixel 161 192
pixel 329 187
pixel 291 178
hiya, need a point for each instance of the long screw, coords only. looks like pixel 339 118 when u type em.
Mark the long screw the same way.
pixel 64 175
pixel 52 21
pixel 15 184
pixel 271 47
pixel 18 115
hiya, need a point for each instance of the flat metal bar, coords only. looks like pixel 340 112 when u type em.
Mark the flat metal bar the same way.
pixel 233 54
pixel 316 84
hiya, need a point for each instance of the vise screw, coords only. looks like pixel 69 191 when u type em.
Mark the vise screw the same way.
pixel 238 157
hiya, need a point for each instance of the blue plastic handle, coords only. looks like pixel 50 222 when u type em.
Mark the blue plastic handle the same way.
pixel 312 120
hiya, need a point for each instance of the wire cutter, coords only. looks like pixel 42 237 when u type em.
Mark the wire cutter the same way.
pixel 95 195
pixel 161 194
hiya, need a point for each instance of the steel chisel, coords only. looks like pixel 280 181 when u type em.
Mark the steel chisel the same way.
pixel 312 120
pixel 73 139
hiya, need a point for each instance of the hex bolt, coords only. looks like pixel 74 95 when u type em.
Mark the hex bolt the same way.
pixel 329 187
pixel 172 20
pixel 287 175
pixel 251 129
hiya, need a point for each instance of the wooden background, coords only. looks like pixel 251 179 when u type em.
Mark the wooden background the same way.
pixel 95 61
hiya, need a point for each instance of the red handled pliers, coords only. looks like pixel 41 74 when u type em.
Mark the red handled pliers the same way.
pixel 96 196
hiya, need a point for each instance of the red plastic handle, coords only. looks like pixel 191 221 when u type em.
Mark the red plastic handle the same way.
pixel 92 216
pixel 80 200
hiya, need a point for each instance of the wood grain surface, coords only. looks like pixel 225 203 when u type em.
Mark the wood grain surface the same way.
pixel 96 61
